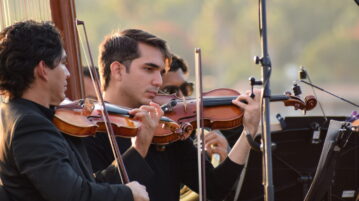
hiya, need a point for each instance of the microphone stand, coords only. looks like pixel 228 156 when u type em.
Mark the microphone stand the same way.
pixel 323 90
pixel 265 100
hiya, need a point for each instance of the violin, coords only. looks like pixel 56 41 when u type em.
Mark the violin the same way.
pixel 219 111
pixel 83 118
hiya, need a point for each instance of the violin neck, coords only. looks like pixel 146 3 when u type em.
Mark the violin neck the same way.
pixel 218 101
pixel 113 109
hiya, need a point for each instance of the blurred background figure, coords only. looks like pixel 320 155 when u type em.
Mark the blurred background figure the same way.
pixel 325 42
pixel 89 88
pixel 174 81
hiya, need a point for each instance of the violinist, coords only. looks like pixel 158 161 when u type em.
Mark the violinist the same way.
pixel 88 85
pixel 37 162
pixel 131 66
pixel 174 82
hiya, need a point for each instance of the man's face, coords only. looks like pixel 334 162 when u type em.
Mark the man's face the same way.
pixel 175 83
pixel 141 84
pixel 172 80
pixel 89 88
pixel 58 80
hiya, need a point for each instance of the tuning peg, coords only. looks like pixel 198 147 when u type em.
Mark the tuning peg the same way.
pixel 252 82
pixel 296 89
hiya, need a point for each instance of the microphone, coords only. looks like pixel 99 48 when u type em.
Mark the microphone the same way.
pixel 302 73
pixel 296 89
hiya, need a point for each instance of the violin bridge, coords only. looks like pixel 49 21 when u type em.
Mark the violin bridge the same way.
pixel 88 106
pixel 184 103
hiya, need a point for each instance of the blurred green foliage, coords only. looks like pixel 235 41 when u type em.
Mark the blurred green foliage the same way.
pixel 321 35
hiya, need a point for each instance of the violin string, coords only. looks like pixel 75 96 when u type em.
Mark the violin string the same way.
pixel 213 99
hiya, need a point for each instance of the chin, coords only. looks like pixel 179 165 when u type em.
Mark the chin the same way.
pixel 58 100
pixel 146 101
pixel 55 103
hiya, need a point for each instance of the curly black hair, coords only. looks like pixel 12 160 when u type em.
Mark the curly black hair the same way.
pixel 22 46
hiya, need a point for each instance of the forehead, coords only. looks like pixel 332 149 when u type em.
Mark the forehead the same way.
pixel 150 55
pixel 174 78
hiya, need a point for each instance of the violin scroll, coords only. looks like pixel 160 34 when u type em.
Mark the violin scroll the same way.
pixel 308 104
pixel 187 130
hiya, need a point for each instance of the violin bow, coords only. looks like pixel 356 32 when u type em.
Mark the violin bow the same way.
pixel 96 82
pixel 201 154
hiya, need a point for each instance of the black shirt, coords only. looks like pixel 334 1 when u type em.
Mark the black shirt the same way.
pixel 38 163
pixel 175 166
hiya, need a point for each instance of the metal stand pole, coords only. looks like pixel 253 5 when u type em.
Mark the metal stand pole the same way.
pixel 266 134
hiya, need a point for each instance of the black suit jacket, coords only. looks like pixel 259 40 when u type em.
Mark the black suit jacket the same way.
pixel 37 162
pixel 175 165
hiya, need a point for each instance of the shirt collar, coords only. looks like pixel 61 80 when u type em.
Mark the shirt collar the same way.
pixel 47 112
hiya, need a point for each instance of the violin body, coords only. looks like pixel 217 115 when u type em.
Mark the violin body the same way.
pixel 83 119
pixel 73 123
pixel 218 110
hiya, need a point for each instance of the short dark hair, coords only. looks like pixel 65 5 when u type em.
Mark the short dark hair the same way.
pixel 22 46
pixel 86 71
pixel 123 47
pixel 178 63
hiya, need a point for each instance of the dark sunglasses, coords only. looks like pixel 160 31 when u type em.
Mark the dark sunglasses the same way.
pixel 186 88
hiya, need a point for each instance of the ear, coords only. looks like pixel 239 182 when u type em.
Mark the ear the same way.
pixel 117 70
pixel 41 71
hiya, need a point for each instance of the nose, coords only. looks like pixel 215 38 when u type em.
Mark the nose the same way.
pixel 180 94
pixel 67 72
pixel 157 80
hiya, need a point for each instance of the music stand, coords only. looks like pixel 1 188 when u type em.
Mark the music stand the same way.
pixel 334 142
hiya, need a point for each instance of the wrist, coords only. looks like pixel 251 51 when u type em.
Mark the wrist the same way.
pixel 251 130
pixel 141 150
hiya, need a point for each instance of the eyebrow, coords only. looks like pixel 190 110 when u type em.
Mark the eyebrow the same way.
pixel 153 65
pixel 64 58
